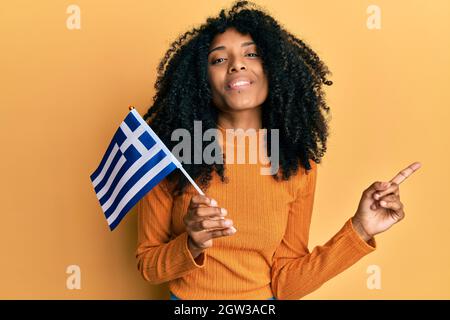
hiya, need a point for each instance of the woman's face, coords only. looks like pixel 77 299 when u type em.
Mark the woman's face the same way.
pixel 235 72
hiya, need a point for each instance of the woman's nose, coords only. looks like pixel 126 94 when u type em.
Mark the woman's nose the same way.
pixel 236 65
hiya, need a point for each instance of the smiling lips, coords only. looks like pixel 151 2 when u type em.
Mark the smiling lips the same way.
pixel 238 84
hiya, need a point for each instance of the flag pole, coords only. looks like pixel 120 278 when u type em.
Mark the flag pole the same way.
pixel 180 167
pixel 191 181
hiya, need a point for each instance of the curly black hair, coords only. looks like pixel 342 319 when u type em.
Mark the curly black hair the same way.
pixel 295 104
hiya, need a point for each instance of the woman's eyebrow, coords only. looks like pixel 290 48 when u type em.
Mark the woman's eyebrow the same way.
pixel 244 44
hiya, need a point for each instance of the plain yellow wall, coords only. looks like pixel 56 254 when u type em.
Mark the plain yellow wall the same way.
pixel 63 93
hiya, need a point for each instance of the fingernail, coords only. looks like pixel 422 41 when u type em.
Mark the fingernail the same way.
pixel 233 229
pixel 383 203
pixel 377 195
pixel 213 202
pixel 223 211
pixel 227 223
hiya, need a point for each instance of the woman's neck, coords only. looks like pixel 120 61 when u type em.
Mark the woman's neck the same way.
pixel 245 119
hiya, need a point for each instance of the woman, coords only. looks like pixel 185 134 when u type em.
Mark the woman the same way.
pixel 248 237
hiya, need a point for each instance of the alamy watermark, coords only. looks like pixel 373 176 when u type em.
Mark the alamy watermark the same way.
pixel 73 22
pixel 234 143
pixel 73 281
pixel 373 21
pixel 374 280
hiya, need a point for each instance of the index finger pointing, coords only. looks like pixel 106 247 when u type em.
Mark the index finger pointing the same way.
pixel 405 173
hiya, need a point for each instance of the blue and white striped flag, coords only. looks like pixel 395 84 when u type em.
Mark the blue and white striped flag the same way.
pixel 135 161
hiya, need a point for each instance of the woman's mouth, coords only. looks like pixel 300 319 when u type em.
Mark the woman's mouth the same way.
pixel 238 85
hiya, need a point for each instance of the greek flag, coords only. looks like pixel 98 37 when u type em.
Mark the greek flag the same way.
pixel 135 161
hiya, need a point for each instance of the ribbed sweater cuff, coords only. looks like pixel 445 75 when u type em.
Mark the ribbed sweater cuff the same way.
pixel 359 243
pixel 187 261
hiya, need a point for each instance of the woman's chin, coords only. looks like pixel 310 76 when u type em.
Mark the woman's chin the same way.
pixel 241 106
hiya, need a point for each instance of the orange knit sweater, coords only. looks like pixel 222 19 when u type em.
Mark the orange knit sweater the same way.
pixel 267 256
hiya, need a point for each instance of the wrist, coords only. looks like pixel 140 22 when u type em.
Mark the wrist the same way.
pixel 195 251
pixel 357 226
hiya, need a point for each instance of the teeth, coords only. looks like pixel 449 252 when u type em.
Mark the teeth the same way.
pixel 239 83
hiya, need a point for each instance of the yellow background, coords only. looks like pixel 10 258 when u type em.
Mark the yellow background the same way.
pixel 64 92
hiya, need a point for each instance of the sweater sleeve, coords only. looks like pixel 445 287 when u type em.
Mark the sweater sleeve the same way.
pixel 160 256
pixel 296 271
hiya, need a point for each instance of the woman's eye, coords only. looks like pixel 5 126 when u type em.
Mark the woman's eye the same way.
pixel 217 60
